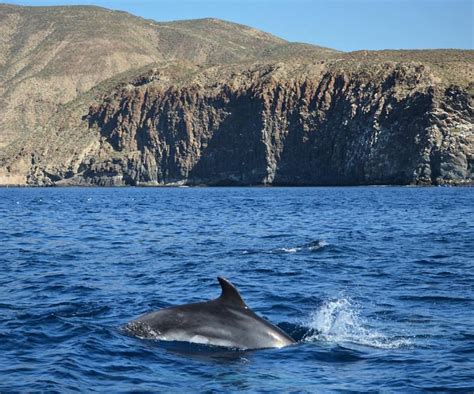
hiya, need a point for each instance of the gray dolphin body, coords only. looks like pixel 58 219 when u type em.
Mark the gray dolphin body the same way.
pixel 226 321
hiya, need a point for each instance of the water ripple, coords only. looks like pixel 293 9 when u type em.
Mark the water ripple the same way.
pixel 375 284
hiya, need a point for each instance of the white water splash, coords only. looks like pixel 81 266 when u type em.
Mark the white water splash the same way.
pixel 309 247
pixel 312 246
pixel 141 330
pixel 339 321
pixel 289 250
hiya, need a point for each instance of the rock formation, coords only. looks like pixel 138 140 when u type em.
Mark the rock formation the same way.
pixel 272 114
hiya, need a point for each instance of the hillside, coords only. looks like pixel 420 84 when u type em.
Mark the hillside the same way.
pixel 93 96
pixel 49 55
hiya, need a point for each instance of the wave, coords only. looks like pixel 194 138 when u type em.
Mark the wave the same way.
pixel 435 298
pixel 308 247
pixel 312 246
pixel 339 321
pixel 141 330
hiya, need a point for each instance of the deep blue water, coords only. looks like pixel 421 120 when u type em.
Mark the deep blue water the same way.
pixel 377 284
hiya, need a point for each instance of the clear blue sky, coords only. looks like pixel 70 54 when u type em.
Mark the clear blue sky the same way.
pixel 341 24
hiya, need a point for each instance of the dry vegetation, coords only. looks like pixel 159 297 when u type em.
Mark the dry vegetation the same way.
pixel 55 62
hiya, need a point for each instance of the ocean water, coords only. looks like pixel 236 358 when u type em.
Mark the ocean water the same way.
pixel 376 284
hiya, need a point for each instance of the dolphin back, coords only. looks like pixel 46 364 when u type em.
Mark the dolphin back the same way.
pixel 226 321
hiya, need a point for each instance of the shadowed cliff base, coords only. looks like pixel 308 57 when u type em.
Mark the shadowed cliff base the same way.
pixel 185 107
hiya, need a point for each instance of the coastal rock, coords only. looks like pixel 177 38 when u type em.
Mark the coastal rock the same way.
pixel 279 125
pixel 295 115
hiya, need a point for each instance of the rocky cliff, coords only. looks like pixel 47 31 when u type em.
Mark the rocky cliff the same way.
pixel 301 116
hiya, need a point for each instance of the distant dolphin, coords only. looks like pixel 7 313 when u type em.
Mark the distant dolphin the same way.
pixel 226 321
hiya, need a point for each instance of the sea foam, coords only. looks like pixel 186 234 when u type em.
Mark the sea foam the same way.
pixel 340 321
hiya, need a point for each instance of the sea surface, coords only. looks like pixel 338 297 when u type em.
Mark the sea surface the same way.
pixel 375 283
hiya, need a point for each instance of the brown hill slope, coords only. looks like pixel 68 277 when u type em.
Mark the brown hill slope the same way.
pixel 49 55
pixel 98 97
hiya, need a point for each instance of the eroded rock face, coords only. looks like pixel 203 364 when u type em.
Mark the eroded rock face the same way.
pixel 263 124
pixel 321 126
pixel 90 96
pixel 51 55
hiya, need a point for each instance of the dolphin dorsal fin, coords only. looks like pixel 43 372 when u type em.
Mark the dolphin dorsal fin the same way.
pixel 230 294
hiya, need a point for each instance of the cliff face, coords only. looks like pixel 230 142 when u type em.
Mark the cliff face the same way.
pixel 51 55
pixel 243 108
pixel 316 124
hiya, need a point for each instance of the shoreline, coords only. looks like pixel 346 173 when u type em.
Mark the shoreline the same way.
pixel 170 186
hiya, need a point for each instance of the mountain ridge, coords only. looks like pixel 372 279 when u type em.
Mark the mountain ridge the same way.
pixel 81 46
pixel 57 79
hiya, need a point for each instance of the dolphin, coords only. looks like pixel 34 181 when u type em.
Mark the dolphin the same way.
pixel 225 321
